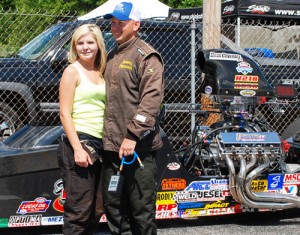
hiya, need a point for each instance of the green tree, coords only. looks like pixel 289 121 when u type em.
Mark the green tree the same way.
pixel 7 4
pixel 59 6
pixel 183 3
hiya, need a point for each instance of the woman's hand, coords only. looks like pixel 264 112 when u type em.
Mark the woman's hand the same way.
pixel 82 158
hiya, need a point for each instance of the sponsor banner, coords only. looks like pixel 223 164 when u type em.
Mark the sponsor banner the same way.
pixel 173 184
pixel 165 197
pixel 53 220
pixel 287 9
pixel 185 13
pixel 24 220
pixel 267 9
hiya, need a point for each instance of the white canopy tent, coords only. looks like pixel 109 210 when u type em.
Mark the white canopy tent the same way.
pixel 149 9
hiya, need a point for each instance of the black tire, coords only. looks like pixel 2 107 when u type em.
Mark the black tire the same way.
pixel 9 121
pixel 291 129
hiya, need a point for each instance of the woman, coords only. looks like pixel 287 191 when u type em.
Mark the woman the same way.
pixel 82 102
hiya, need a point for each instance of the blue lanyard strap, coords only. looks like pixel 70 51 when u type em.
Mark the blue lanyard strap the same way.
pixel 135 157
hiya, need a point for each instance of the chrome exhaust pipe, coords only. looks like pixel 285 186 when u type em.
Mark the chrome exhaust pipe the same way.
pixel 266 197
pixel 232 176
pixel 254 201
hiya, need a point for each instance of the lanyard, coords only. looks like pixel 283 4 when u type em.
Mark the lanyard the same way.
pixel 135 157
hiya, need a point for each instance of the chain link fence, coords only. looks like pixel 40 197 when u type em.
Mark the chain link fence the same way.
pixel 34 46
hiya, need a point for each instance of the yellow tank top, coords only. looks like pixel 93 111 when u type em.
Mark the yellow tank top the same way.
pixel 88 106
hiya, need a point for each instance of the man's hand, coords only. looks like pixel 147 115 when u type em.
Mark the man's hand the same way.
pixel 127 148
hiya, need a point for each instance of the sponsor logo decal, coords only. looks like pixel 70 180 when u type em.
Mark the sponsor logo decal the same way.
pixel 219 184
pixel 247 93
pixel 192 213
pixel 58 190
pixel 173 166
pixel 53 220
pixel 198 186
pixel 228 10
pixel 293 179
pixel 166 207
pixel 246 78
pixel 198 196
pixel 24 220
pixel 187 205
pixel 221 211
pixel 208 90
pixel 172 184
pixel 259 185
pixel 246 82
pixel 275 181
pixel 218 204
pixel 225 56
pixel 166 215
pixel 290 189
pixel 40 204
pixel 258 9
pixel 242 86
pixel 244 68
pixel 253 137
pixel 165 197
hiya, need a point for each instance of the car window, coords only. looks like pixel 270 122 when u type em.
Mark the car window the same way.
pixel 42 42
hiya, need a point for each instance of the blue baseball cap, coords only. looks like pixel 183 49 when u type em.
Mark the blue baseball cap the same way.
pixel 125 11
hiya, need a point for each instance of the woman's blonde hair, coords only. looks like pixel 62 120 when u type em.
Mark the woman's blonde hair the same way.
pixel 95 31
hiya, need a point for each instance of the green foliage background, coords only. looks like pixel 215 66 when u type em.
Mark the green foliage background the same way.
pixel 79 6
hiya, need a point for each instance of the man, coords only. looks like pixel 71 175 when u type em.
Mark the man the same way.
pixel 134 83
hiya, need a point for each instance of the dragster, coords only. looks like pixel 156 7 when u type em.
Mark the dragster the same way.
pixel 238 164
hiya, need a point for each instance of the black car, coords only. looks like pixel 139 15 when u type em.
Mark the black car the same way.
pixel 29 80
